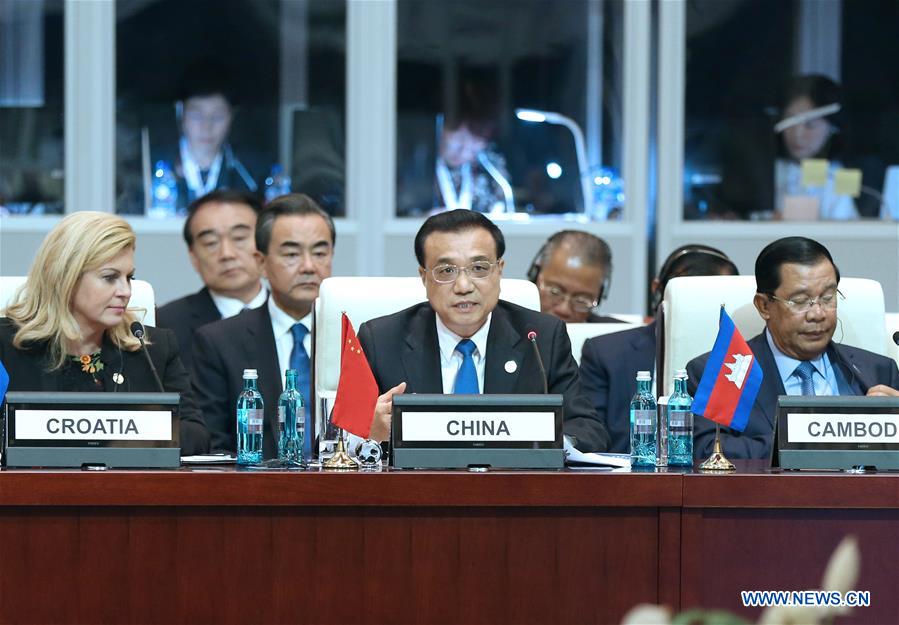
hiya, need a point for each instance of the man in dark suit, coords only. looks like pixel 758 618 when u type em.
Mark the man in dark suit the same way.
pixel 219 235
pixel 295 239
pixel 465 339
pixel 573 271
pixel 797 296
pixel 609 363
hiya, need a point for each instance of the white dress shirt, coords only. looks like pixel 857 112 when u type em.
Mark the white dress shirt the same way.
pixel 230 306
pixel 281 325
pixel 451 360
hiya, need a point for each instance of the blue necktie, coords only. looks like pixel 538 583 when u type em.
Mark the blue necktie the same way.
pixel 804 372
pixel 299 360
pixel 467 377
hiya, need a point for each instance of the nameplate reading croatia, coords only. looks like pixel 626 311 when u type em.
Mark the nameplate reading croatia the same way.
pixel 842 428
pixel 105 425
pixel 478 426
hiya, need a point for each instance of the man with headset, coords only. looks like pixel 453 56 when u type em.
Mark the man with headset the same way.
pixel 609 363
pixel 797 294
pixel 572 271
pixel 204 159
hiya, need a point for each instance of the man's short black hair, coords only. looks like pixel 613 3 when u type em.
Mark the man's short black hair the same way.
pixel 798 250
pixel 695 259
pixel 218 196
pixel 206 77
pixel 290 204
pixel 457 220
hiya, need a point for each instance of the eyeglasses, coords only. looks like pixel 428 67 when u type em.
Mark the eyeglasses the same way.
pixel 578 303
pixel 478 270
pixel 802 304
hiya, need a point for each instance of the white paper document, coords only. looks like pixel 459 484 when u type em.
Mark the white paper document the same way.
pixel 620 462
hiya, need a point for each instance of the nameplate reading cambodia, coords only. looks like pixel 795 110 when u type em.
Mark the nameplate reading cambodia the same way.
pixel 842 428
pixel 478 426
pixel 104 425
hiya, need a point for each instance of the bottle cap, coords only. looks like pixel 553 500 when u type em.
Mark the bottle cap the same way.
pixel 643 376
pixel 680 374
pixel 249 374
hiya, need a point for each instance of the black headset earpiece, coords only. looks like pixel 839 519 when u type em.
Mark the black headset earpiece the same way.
pixel 536 265
pixel 605 286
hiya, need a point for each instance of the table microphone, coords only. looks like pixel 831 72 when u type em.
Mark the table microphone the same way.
pixel 532 337
pixel 137 329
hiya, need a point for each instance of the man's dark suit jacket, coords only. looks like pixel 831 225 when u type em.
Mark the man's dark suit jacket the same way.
pixel 856 371
pixel 403 347
pixel 222 350
pixel 184 316
pixel 609 366
pixel 27 370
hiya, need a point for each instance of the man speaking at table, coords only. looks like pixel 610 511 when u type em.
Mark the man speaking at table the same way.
pixel 797 295
pixel 465 339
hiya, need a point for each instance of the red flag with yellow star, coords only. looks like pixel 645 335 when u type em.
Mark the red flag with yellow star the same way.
pixel 357 391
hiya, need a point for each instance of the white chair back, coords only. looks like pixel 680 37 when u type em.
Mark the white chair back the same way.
pixel 578 333
pixel 692 305
pixel 143 299
pixel 627 317
pixel 367 298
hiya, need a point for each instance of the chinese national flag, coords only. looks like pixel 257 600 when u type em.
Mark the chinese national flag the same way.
pixel 357 391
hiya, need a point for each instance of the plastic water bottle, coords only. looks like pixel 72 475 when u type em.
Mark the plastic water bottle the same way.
pixel 165 191
pixel 277 184
pixel 643 423
pixel 250 419
pixel 680 423
pixel 292 421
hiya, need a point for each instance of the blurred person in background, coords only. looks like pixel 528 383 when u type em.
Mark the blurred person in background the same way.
pixel 609 363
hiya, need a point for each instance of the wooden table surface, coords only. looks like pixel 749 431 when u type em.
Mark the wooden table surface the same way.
pixel 228 546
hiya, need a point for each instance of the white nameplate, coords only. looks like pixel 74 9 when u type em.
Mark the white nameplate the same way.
pixel 102 425
pixel 842 428
pixel 479 426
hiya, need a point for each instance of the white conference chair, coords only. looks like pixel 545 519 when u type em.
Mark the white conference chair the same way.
pixel 692 305
pixel 143 299
pixel 367 298
pixel 627 317
pixel 578 333
pixel 364 298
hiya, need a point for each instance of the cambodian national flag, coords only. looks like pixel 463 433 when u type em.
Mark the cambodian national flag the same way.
pixel 731 379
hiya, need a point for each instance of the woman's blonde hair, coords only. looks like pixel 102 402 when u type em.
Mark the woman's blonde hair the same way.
pixel 41 308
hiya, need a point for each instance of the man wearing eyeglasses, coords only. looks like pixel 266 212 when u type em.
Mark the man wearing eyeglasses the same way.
pixel 573 270
pixel 220 243
pixel 295 240
pixel 465 339
pixel 797 295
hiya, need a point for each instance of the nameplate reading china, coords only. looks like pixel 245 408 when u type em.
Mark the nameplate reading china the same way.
pixel 74 429
pixel 458 431
pixel 479 426
pixel 837 432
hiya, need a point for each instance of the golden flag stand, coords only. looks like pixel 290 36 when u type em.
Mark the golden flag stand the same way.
pixel 717 462
pixel 341 460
